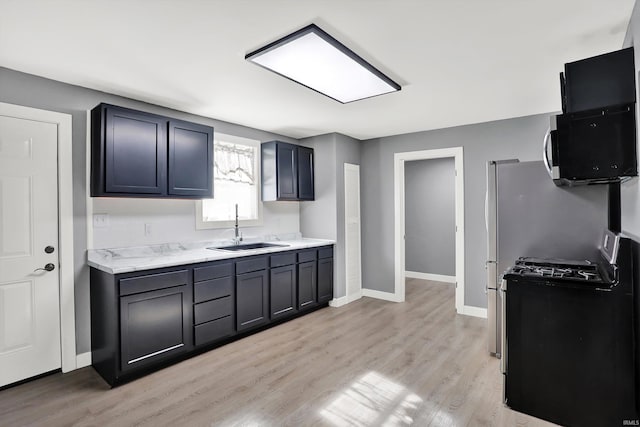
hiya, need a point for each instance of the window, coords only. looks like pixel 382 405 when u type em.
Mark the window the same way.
pixel 236 180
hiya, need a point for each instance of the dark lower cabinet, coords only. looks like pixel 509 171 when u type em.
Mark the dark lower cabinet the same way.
pixel 252 299
pixel 283 290
pixel 154 325
pixel 214 302
pixel 325 280
pixel 307 292
pixel 141 321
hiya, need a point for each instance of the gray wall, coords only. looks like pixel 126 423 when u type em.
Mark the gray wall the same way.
pixel 32 91
pixel 319 218
pixel 430 223
pixel 324 218
pixel 630 191
pixel 513 138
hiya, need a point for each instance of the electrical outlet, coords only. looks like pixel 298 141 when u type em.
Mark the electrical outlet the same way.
pixel 100 220
pixel 147 230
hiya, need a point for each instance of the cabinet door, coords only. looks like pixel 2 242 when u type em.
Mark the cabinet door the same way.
pixel 135 152
pixel 306 285
pixel 154 325
pixel 305 173
pixel 283 291
pixel 190 159
pixel 325 279
pixel 286 159
pixel 252 299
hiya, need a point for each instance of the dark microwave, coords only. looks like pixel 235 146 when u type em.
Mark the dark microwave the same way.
pixel 592 147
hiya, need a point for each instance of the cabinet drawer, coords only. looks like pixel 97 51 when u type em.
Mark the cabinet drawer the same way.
pixel 306 256
pixel 152 282
pixel 211 331
pixel 251 264
pixel 212 310
pixel 211 289
pixel 212 271
pixel 325 252
pixel 282 259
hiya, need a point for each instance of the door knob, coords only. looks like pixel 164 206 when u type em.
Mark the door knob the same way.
pixel 48 267
pixel 49 249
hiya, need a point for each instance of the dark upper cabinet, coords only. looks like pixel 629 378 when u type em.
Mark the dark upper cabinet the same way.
pixel 283 291
pixel 137 154
pixel 305 173
pixel 287 172
pixel 135 151
pixel 190 159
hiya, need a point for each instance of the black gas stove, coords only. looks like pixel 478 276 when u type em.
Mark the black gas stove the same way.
pixel 577 271
pixel 568 337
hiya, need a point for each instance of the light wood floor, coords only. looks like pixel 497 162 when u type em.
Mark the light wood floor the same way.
pixel 369 363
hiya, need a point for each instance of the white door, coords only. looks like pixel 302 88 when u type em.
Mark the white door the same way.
pixel 353 266
pixel 29 294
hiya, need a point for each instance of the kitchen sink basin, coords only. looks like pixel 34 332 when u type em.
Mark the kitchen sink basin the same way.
pixel 247 247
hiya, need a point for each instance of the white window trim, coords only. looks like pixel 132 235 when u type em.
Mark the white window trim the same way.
pixel 201 224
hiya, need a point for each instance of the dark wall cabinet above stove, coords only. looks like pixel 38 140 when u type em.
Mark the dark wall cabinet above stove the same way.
pixel 287 172
pixel 137 154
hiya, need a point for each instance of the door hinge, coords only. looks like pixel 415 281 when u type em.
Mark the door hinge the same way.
pixel 456 285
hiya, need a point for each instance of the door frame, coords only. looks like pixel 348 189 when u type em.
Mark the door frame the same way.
pixel 399 217
pixel 65 224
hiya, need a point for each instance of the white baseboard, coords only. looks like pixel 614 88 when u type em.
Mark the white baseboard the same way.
pixel 469 310
pixel 387 296
pixel 339 302
pixel 83 360
pixel 429 276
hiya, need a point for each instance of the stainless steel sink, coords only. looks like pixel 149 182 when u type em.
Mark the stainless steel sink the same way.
pixel 247 247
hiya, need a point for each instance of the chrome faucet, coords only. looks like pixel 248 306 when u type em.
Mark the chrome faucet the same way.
pixel 238 235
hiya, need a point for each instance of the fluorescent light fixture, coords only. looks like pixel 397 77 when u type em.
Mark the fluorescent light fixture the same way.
pixel 316 60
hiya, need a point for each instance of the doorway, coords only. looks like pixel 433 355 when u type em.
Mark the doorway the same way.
pixel 430 219
pixel 37 329
pixel 400 160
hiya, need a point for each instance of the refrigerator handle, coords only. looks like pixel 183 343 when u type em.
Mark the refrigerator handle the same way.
pixel 503 327
pixel 486 210
pixel 545 154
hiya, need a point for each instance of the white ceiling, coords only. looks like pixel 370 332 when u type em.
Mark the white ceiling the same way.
pixel 458 61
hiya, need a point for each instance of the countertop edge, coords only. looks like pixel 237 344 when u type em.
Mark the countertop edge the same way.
pixel 183 259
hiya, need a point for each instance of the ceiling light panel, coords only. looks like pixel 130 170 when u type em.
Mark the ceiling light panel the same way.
pixel 316 60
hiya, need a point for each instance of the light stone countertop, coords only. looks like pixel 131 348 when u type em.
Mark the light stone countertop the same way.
pixel 138 258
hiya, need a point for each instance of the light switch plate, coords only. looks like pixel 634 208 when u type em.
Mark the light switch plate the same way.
pixel 100 220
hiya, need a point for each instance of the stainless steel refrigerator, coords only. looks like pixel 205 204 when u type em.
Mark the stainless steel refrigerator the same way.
pixel 528 215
